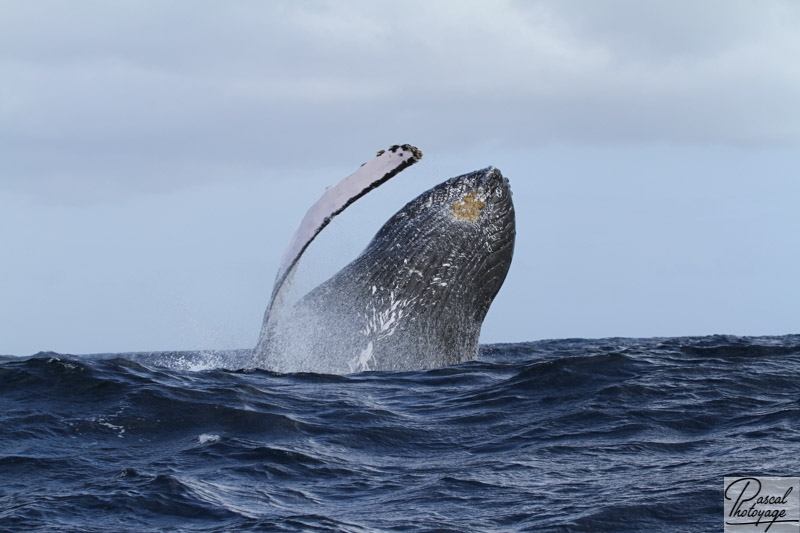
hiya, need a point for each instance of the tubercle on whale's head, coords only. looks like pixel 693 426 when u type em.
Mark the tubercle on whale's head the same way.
pixel 469 207
pixel 479 191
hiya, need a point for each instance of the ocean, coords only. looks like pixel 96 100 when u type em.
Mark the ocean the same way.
pixel 611 435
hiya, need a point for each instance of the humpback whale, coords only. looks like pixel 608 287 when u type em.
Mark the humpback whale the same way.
pixel 417 295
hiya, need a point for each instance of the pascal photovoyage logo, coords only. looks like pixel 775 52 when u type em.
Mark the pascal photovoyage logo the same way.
pixel 764 504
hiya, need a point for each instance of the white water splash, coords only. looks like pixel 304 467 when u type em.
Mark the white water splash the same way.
pixel 364 359
pixel 379 324
pixel 119 429
pixel 207 438
pixel 385 322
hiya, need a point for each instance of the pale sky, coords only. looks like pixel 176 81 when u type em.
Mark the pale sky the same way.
pixel 156 156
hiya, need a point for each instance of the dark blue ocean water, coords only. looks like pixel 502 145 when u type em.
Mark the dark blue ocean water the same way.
pixel 571 435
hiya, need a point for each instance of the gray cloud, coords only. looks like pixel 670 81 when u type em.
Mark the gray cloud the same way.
pixel 149 96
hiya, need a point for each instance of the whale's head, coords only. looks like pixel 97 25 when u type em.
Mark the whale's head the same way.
pixel 451 247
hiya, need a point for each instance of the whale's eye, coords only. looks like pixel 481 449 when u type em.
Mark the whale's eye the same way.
pixel 468 208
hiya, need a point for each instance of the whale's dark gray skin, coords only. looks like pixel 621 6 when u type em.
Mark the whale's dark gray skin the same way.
pixel 417 295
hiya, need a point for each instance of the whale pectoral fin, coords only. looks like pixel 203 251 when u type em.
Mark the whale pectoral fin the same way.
pixel 386 165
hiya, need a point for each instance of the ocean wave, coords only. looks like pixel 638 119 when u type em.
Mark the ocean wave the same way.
pixel 571 435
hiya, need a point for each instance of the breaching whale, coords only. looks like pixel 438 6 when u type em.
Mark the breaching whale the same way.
pixel 417 295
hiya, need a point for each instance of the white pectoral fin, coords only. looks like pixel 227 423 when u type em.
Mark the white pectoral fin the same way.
pixel 336 199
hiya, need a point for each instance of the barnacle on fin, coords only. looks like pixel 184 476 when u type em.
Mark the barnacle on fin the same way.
pixel 416 153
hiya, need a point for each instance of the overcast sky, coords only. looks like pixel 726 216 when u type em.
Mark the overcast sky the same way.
pixel 155 157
